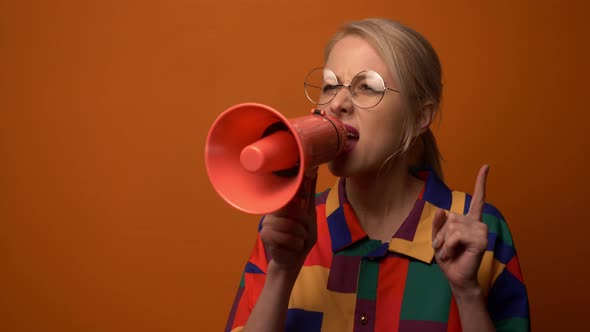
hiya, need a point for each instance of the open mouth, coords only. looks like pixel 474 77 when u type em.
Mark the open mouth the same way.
pixel 352 137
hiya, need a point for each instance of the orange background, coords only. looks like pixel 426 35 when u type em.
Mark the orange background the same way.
pixel 107 219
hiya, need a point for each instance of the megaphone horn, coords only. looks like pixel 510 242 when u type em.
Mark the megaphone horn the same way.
pixel 256 158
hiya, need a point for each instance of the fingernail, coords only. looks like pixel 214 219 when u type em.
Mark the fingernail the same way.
pixel 441 254
pixel 435 243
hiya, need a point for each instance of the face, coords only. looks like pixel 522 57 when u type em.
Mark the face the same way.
pixel 379 128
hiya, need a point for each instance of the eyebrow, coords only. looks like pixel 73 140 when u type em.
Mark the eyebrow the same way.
pixel 340 78
pixel 337 77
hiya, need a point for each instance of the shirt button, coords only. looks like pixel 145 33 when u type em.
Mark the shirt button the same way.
pixel 364 319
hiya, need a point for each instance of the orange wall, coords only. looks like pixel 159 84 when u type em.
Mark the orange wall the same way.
pixel 107 219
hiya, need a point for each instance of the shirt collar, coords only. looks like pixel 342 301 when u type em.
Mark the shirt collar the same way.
pixel 414 237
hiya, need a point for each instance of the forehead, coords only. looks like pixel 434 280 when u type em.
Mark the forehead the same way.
pixel 353 54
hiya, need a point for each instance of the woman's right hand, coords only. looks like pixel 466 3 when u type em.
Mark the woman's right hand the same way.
pixel 289 233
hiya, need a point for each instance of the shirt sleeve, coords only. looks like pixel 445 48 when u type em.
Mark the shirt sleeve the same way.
pixel 508 303
pixel 250 287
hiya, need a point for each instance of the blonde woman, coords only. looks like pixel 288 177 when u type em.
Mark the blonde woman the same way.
pixel 390 247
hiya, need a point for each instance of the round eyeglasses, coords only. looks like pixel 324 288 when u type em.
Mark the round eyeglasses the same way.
pixel 366 88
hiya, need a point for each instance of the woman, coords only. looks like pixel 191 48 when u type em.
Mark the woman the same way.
pixel 389 247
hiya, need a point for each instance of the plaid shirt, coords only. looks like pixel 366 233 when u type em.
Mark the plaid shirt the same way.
pixel 352 283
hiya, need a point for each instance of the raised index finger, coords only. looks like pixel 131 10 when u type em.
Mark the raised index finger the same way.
pixel 479 194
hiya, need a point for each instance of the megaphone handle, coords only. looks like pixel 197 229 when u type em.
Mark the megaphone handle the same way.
pixel 303 202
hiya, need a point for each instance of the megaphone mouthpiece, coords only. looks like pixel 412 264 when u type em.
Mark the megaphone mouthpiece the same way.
pixel 274 152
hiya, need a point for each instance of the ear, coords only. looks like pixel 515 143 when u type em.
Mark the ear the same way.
pixel 426 116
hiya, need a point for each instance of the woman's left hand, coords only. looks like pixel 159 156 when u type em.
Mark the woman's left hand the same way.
pixel 460 241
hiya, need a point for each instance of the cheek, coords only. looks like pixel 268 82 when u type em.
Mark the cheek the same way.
pixel 385 131
pixel 387 143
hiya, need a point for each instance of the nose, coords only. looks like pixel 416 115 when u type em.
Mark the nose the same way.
pixel 342 104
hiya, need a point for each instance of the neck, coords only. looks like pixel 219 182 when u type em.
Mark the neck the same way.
pixel 383 199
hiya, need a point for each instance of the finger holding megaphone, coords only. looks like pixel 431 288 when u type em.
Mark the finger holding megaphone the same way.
pixel 289 233
pixel 257 159
pixel 302 204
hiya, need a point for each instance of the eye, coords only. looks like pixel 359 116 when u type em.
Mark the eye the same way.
pixel 367 89
pixel 368 83
pixel 327 88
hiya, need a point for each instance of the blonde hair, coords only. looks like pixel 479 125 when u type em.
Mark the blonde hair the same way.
pixel 409 55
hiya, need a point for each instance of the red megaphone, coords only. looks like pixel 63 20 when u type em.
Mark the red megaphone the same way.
pixel 256 158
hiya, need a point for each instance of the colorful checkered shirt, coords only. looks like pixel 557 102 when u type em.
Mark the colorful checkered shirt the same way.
pixel 350 282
